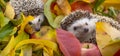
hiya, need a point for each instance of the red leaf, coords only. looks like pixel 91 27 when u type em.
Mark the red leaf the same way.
pixel 118 53
pixel 68 43
pixel 52 7
pixel 80 5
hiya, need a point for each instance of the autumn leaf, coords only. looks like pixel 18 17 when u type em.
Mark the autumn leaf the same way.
pixel 6 30
pixel 81 5
pixel 117 53
pixel 22 35
pixel 113 3
pixel 47 11
pixel 108 38
pixel 89 1
pixel 40 34
pixel 51 17
pixel 64 6
pixel 18 20
pixel 3 4
pixel 58 20
pixel 8 48
pixel 97 4
pixel 3 20
pixel 26 50
pixel 25 22
pixel 44 43
pixel 9 11
pixel 68 43
pixel 70 1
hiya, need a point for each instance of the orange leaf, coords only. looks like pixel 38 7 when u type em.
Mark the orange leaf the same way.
pixel 65 6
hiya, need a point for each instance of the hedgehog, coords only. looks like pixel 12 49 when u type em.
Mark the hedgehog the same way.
pixel 30 7
pixel 82 25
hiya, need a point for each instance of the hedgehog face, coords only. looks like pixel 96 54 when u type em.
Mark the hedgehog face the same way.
pixel 36 23
pixel 82 27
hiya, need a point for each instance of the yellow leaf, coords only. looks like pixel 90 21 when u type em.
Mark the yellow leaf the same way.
pixel 114 3
pixel 111 48
pixel 101 36
pixel 88 1
pixel 37 41
pixel 9 12
pixel 44 30
pixel 38 47
pixel 25 22
pixel 105 36
pixel 44 43
pixel 57 10
pixel 49 35
pixel 108 29
pixel 21 54
pixel 65 6
pixel 8 48
pixel 45 53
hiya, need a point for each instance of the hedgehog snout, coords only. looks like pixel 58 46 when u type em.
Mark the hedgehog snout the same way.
pixel 37 29
pixel 86 30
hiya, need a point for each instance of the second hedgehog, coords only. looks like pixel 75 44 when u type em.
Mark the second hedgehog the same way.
pixel 82 25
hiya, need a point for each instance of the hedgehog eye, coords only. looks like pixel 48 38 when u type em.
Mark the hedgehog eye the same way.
pixel 75 28
pixel 30 23
pixel 86 23
pixel 38 20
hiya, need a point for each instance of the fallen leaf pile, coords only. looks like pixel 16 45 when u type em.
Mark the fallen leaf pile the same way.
pixel 17 38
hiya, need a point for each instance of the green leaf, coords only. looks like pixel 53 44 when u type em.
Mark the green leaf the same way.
pixel 6 30
pixel 21 36
pixel 0 8
pixel 97 4
pixel 3 44
pixel 8 48
pixel 3 20
pixel 112 13
pixel 18 21
pixel 70 1
pixel 47 11
pixel 6 0
pixel 57 21
pixel 38 52
pixel 2 4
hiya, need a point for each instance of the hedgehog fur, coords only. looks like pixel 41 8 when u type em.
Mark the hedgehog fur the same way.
pixel 28 7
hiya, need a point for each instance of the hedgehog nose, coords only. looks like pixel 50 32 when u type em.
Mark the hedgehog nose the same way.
pixel 37 29
pixel 86 30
